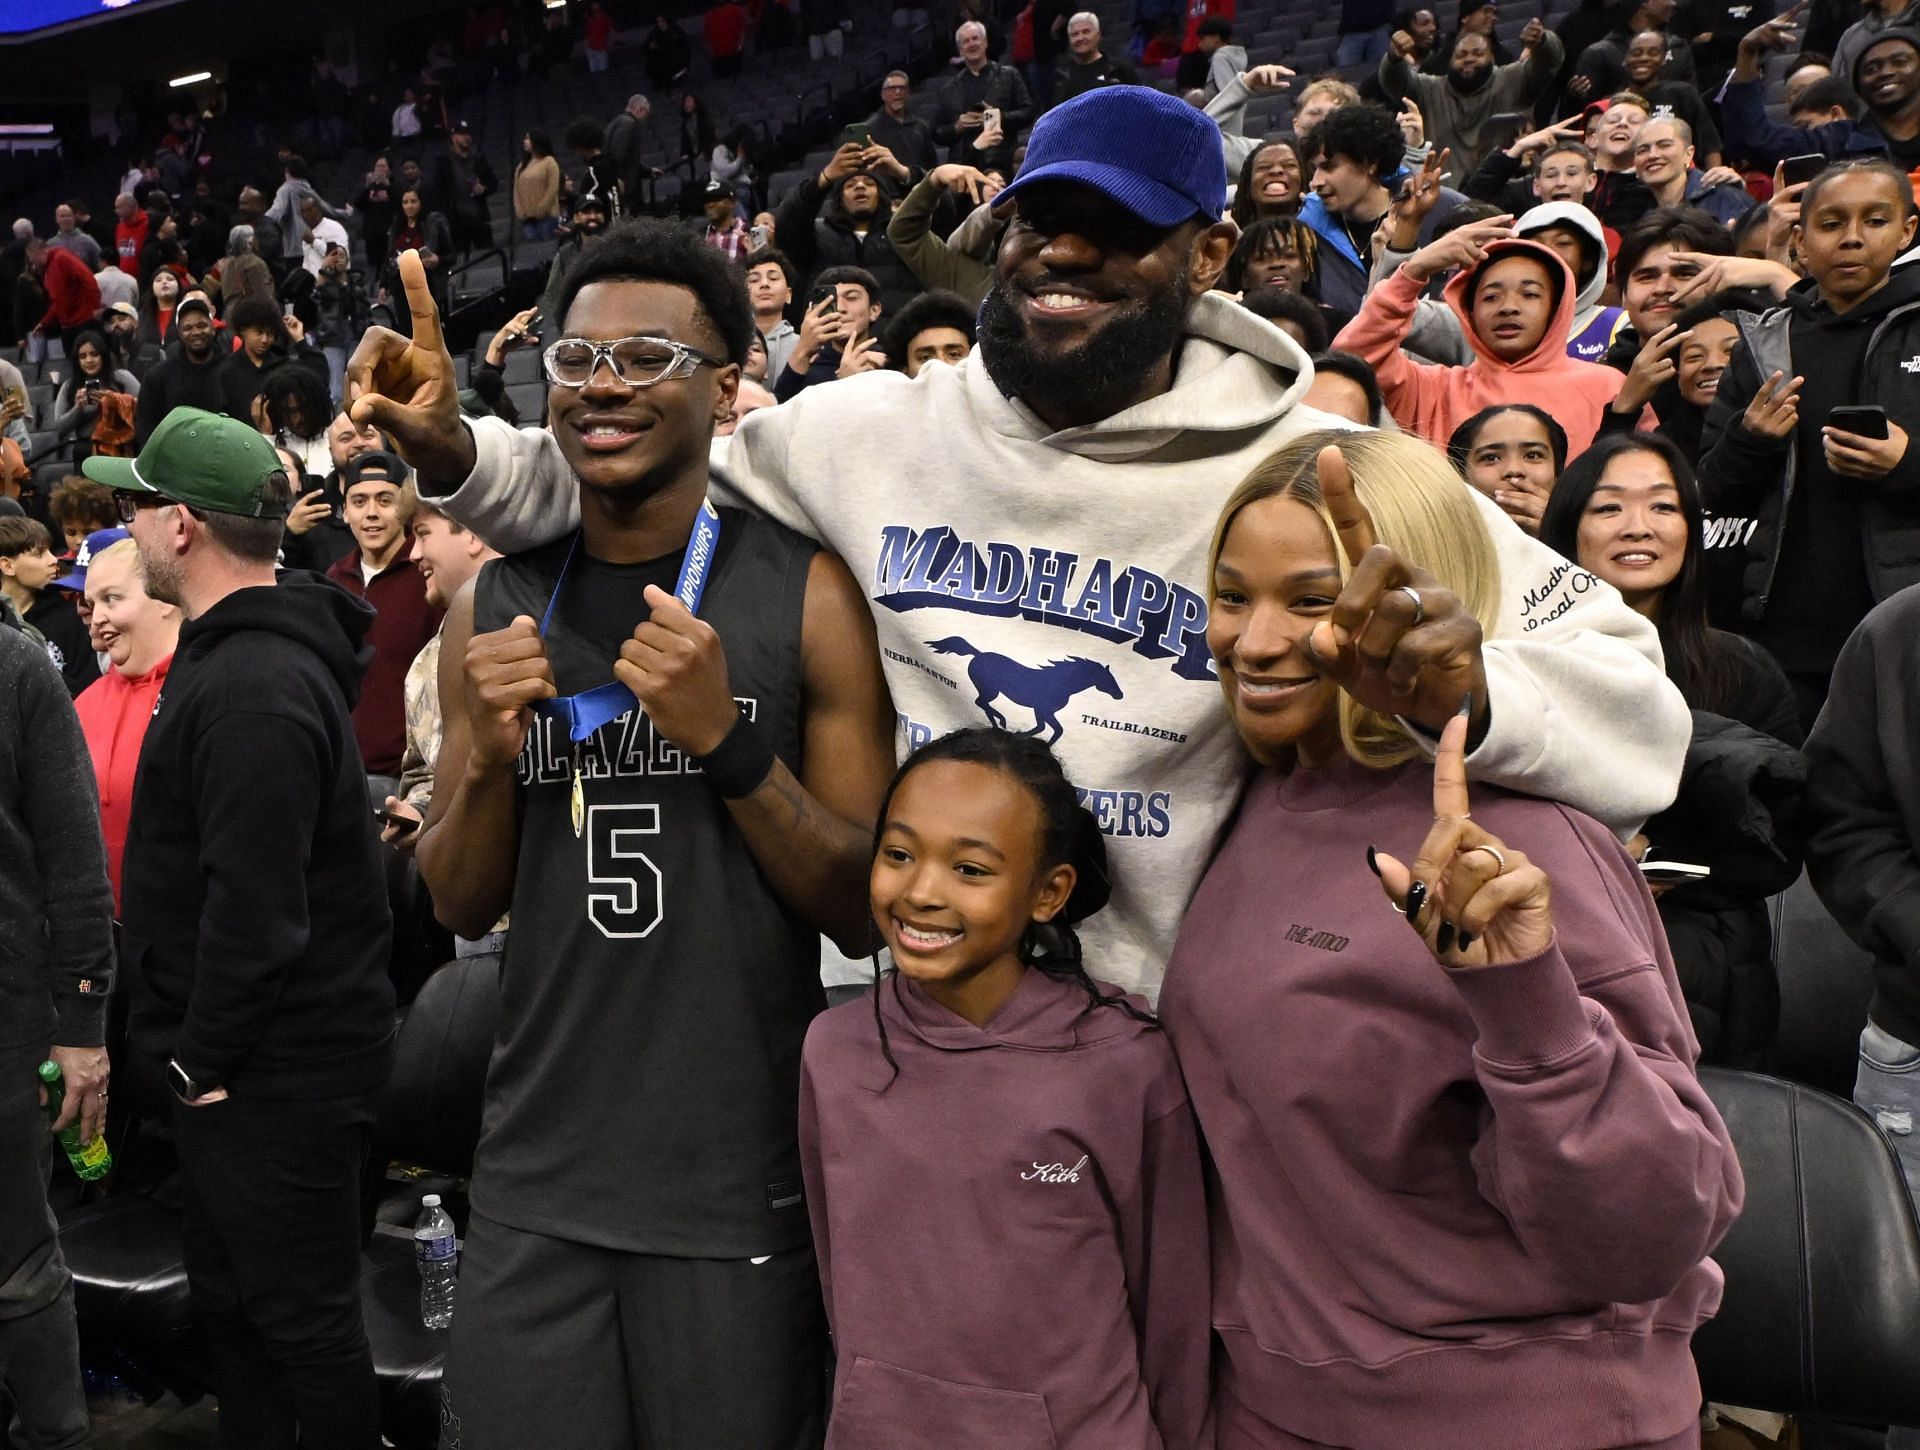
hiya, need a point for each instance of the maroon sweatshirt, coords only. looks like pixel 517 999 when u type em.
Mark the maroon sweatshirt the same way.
pixel 403 623
pixel 1458 1210
pixel 1012 1234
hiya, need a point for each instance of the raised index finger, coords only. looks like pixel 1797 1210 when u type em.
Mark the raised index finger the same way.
pixel 426 316
pixel 1450 772
pixel 1350 517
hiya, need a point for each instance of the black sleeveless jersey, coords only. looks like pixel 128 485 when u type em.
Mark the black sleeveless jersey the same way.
pixel 644 1087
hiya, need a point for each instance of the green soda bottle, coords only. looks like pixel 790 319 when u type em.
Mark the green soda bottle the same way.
pixel 90 1160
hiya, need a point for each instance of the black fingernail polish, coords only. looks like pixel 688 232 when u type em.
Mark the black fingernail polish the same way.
pixel 1373 861
pixel 1416 898
pixel 1443 939
pixel 1466 940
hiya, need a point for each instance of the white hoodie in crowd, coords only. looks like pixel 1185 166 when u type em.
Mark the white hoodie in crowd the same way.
pixel 1056 582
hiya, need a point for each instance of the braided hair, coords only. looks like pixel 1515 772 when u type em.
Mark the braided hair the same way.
pixel 1069 835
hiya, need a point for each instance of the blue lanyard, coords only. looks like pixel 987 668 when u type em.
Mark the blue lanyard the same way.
pixel 585 713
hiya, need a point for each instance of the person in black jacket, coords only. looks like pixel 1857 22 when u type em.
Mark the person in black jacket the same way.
pixel 853 231
pixel 189 375
pixel 1863 851
pixel 980 93
pixel 1628 510
pixel 256 924
pixel 1834 513
pixel 56 918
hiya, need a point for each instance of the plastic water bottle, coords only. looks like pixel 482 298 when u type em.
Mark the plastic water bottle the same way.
pixel 434 1252
pixel 90 1160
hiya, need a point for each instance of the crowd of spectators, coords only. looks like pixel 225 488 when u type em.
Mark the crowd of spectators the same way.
pixel 1528 420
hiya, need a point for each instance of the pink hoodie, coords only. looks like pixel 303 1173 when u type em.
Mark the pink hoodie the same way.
pixel 1012 1233
pixel 1432 401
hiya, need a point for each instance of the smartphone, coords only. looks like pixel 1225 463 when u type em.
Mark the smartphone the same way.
pixel 858 134
pixel 406 824
pixel 1672 873
pixel 1796 169
pixel 1869 420
pixel 824 294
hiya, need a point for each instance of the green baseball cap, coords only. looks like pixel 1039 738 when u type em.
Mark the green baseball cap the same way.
pixel 200 459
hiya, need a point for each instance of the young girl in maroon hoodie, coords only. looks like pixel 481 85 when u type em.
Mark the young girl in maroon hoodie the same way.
pixel 1001 1163
pixel 1465 1180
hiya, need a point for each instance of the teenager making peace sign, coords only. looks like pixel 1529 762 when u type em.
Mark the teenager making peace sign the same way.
pixel 1465 1178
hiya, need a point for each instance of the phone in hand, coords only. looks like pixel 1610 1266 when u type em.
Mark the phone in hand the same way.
pixel 1673 873
pixel 1867 420
pixel 406 825
pixel 858 134
pixel 825 295
pixel 1798 169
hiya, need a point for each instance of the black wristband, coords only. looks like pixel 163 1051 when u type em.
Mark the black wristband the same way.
pixel 740 764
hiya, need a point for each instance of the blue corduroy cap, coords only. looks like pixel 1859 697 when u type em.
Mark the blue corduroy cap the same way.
pixel 1151 153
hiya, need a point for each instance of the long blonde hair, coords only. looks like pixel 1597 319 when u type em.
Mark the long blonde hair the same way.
pixel 1420 508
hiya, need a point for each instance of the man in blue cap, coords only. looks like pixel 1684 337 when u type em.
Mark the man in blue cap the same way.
pixel 1054 497
pixel 254 916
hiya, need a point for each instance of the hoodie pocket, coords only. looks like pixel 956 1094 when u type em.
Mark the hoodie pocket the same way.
pixel 882 1407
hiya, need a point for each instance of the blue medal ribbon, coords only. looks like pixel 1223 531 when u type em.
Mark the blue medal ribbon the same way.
pixel 586 712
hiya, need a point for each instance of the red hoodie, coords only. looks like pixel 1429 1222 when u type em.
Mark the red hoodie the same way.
pixel 114 711
pixel 73 297
pixel 1452 1210
pixel 1432 401
pixel 1012 1233
pixel 128 239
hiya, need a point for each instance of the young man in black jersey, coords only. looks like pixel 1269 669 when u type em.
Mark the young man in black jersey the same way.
pixel 639 1233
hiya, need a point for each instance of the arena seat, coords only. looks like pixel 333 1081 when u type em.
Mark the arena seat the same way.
pixel 130 1290
pixel 1822 1310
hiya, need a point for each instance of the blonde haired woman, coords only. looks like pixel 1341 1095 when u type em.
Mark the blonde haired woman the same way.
pixel 1465 1178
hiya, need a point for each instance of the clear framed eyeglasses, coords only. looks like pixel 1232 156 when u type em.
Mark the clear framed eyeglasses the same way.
pixel 640 362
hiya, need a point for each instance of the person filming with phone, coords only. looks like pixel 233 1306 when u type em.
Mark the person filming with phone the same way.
pixel 839 219
pixel 837 336
pixel 1810 428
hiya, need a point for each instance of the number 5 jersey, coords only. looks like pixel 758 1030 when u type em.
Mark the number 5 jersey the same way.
pixel 655 992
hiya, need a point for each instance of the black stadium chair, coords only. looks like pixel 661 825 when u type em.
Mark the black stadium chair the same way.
pixel 1822 1311
pixel 124 1252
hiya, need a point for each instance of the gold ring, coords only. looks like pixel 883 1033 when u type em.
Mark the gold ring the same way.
pixel 1491 851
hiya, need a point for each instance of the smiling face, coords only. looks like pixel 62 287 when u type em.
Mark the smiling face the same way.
pixel 1651 285
pixel 629 442
pixel 958 878
pixel 1646 53
pixel 445 555
pixel 1633 533
pixel 1275 580
pixel 972 40
pixel 347 440
pixel 1512 306
pixel 1511 453
pixel 1703 358
pixel 1620 126
pixel 196 333
pixel 1089 301
pixel 1425 29
pixel 376 513
pixel 1083 37
pixel 1889 75
pixel 1661 157
pixel 1276 179
pixel 135 630
pixel 1858 223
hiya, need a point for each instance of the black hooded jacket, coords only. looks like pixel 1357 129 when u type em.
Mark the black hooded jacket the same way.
pixel 256 930
pixel 815 242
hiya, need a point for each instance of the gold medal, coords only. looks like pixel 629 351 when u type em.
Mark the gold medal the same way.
pixel 579 796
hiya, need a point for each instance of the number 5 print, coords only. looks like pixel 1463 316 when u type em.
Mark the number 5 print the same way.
pixel 634 907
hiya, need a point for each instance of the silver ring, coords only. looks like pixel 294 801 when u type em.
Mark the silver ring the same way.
pixel 1419 606
pixel 1491 851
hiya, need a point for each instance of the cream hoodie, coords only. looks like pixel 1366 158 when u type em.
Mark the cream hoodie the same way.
pixel 1056 582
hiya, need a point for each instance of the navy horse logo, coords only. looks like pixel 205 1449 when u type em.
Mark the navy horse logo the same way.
pixel 1043 689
